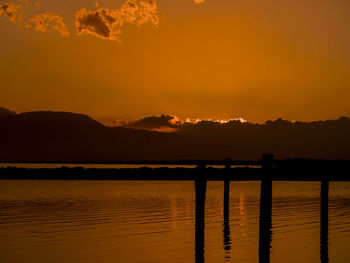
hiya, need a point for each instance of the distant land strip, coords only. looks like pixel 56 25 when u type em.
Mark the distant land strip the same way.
pixel 279 173
pixel 278 162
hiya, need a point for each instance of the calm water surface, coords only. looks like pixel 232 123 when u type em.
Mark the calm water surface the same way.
pixel 124 221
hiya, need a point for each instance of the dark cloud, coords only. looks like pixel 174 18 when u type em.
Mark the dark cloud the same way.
pixel 172 123
pixel 153 122
pixel 94 22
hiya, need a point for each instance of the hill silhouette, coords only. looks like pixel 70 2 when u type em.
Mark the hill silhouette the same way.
pixel 4 112
pixel 64 136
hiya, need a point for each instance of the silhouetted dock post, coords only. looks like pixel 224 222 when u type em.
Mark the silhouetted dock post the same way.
pixel 227 185
pixel 226 196
pixel 226 231
pixel 324 219
pixel 265 222
pixel 201 188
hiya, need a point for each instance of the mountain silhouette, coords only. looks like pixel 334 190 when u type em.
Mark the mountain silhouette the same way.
pixel 64 136
pixel 4 112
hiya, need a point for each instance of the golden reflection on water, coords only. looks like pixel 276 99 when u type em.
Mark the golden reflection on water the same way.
pixel 111 221
pixel 241 212
pixel 174 214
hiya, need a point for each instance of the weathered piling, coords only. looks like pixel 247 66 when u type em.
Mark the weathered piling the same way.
pixel 227 186
pixel 226 197
pixel 200 188
pixel 265 222
pixel 324 220
pixel 226 230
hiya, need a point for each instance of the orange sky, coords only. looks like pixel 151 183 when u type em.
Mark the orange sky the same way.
pixel 218 59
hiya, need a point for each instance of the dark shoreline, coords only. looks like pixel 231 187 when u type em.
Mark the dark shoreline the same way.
pixel 297 173
pixel 283 162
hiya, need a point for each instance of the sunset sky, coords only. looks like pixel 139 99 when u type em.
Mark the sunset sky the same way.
pixel 219 59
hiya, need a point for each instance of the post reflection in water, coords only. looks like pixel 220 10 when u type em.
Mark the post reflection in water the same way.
pixel 265 220
pixel 265 223
pixel 324 221
pixel 200 187
pixel 226 230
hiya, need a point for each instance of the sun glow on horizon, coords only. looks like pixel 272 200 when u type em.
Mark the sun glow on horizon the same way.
pixel 172 125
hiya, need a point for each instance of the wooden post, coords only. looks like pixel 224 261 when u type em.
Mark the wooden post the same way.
pixel 265 222
pixel 227 163
pixel 324 220
pixel 200 188
pixel 201 165
pixel 226 230
pixel 227 187
pixel 267 163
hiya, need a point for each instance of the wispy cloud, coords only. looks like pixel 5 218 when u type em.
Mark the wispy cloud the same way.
pixel 14 12
pixel 104 23
pixel 107 23
pixel 43 22
pixel 198 2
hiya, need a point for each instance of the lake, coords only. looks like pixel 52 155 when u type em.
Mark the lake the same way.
pixel 154 221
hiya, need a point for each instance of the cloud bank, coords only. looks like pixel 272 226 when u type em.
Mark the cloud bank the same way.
pixel 168 123
pixel 163 123
pixel 106 23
